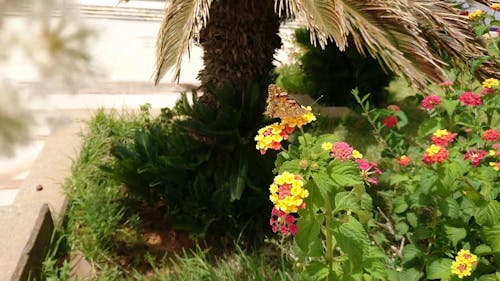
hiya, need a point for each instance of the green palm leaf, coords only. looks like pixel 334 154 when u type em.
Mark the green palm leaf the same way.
pixel 183 20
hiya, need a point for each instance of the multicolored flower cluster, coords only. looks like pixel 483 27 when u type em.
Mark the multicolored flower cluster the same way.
pixel 430 102
pixel 270 137
pixel 283 222
pixel 434 154
pixel 475 156
pixel 442 137
pixel 403 160
pixel 470 99
pixel 288 193
pixel 299 121
pixel 464 263
pixel 491 135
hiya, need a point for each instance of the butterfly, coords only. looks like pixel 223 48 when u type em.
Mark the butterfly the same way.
pixel 279 105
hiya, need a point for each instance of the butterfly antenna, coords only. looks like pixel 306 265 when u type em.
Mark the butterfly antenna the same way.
pixel 316 100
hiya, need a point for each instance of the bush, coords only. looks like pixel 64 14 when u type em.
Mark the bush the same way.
pixel 198 164
pixel 333 73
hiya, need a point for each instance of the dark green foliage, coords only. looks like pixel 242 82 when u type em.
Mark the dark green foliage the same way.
pixel 201 164
pixel 334 74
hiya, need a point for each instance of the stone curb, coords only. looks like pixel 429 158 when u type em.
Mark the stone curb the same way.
pixel 27 225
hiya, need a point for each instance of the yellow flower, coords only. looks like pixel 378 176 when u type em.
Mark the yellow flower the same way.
pixel 461 269
pixel 356 154
pixel 440 133
pixel 496 166
pixel 490 82
pixel 433 150
pixel 477 14
pixel 287 192
pixel 299 121
pixel 467 257
pixel 327 146
pixel 495 7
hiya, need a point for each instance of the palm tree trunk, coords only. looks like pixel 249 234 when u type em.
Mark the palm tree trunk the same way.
pixel 239 42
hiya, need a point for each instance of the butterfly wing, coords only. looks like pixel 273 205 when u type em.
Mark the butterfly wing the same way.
pixel 279 105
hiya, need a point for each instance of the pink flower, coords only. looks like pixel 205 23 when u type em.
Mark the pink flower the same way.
pixel 341 151
pixel 393 107
pixel 491 135
pixel 475 156
pixel 470 99
pixel 403 160
pixel 430 102
pixel 390 121
pixel 283 222
pixel 368 169
pixel 487 91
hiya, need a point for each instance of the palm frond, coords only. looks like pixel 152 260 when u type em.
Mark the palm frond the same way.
pixel 325 19
pixel 390 33
pixel 448 32
pixel 183 20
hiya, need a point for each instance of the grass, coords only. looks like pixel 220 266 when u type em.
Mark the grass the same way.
pixel 108 232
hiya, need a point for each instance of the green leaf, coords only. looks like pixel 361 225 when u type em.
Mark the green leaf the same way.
pixel 482 249
pixel 439 269
pixel 292 166
pixel 239 183
pixel 429 126
pixel 491 235
pixel 398 178
pixel 449 106
pixel 490 277
pixel 399 204
pixel 315 271
pixel 422 232
pixel 455 234
pixel 352 239
pixel 344 174
pixel 450 208
pixel 411 252
pixel 307 237
pixel 345 201
pixel 488 215
pixel 324 183
pixel 409 274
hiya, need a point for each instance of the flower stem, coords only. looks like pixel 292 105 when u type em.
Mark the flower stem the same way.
pixel 329 237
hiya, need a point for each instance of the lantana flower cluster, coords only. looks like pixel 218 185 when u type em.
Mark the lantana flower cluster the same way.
pixel 287 194
pixel 464 263
pixel 437 152
pixel 271 136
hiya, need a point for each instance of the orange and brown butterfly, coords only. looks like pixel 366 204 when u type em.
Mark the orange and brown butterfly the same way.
pixel 279 105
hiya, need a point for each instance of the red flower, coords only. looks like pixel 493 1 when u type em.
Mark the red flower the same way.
pixel 491 135
pixel 470 99
pixel 475 156
pixel 430 102
pixel 487 91
pixel 390 121
pixel 403 160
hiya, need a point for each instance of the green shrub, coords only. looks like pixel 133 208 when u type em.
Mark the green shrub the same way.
pixel 199 164
pixel 333 73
